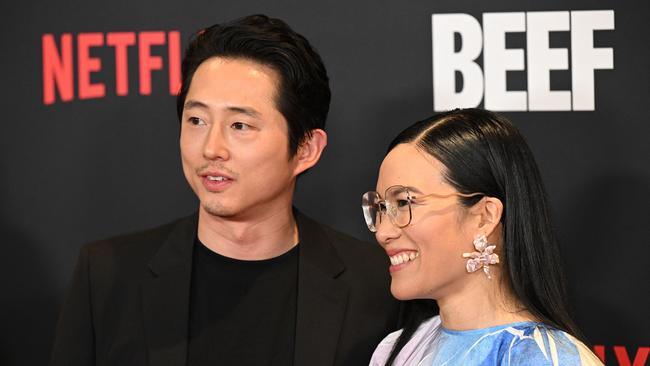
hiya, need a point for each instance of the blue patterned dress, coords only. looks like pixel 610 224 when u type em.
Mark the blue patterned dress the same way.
pixel 525 343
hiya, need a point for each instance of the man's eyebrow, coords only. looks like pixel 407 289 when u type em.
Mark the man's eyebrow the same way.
pixel 194 104
pixel 249 111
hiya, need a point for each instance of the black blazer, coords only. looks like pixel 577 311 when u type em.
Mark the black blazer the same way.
pixel 128 303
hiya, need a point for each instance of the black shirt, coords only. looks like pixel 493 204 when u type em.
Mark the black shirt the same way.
pixel 242 312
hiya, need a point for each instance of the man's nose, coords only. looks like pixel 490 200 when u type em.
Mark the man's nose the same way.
pixel 216 144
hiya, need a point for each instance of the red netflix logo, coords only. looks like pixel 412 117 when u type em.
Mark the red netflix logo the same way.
pixel 58 63
pixel 622 357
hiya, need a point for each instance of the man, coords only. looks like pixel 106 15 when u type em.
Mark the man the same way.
pixel 247 280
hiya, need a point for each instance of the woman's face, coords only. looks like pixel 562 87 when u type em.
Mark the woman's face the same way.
pixel 441 230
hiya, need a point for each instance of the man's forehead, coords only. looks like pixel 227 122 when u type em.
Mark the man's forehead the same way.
pixel 246 66
pixel 239 85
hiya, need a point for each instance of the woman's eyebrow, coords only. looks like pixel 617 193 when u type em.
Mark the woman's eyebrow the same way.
pixel 413 189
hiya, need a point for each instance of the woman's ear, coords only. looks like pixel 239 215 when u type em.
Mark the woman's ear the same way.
pixel 490 211
pixel 310 150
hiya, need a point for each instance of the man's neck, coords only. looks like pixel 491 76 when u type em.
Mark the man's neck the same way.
pixel 262 237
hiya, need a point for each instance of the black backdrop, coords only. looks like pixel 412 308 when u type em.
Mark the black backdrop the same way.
pixel 94 166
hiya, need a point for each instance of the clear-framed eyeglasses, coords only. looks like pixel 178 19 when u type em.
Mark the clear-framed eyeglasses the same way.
pixel 397 205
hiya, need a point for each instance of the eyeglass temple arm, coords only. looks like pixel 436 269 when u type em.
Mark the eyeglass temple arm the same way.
pixel 466 195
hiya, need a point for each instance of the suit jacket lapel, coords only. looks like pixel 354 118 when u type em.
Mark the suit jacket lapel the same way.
pixel 321 298
pixel 166 296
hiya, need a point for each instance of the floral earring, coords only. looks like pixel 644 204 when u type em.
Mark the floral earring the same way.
pixel 483 256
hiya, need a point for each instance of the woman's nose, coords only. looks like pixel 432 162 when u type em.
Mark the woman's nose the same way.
pixel 386 231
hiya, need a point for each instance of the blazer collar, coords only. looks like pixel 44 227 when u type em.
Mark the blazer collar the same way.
pixel 166 296
pixel 322 298
pixel 316 247
pixel 176 250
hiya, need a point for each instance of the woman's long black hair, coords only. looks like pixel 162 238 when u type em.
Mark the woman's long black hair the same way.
pixel 484 152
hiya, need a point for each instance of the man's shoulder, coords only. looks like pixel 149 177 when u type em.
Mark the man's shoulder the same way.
pixel 353 252
pixel 343 241
pixel 138 244
pixel 348 242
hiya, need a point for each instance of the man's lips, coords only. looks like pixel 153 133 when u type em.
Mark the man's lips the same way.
pixel 215 181
pixel 215 174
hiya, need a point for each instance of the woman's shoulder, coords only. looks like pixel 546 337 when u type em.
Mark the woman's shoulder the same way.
pixel 540 344
pixel 412 351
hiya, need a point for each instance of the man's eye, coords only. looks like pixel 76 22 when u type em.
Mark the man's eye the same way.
pixel 240 126
pixel 196 121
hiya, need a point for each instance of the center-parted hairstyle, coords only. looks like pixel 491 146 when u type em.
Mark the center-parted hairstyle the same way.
pixel 303 94
pixel 484 152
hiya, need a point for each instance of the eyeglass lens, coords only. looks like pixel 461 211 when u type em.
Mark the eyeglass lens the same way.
pixel 396 205
pixel 397 199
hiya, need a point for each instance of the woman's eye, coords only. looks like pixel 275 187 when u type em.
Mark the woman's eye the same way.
pixel 402 204
pixel 196 121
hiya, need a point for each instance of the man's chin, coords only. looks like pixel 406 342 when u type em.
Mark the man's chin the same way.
pixel 217 210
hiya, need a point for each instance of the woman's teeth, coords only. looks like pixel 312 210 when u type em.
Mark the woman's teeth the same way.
pixel 403 257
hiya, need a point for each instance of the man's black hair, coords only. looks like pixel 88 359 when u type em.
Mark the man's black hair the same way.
pixel 303 94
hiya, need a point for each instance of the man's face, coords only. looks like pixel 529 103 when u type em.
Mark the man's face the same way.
pixel 234 141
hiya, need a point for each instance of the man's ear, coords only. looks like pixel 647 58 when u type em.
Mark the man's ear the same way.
pixel 490 211
pixel 310 150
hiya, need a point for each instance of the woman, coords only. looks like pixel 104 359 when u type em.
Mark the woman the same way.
pixel 461 211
